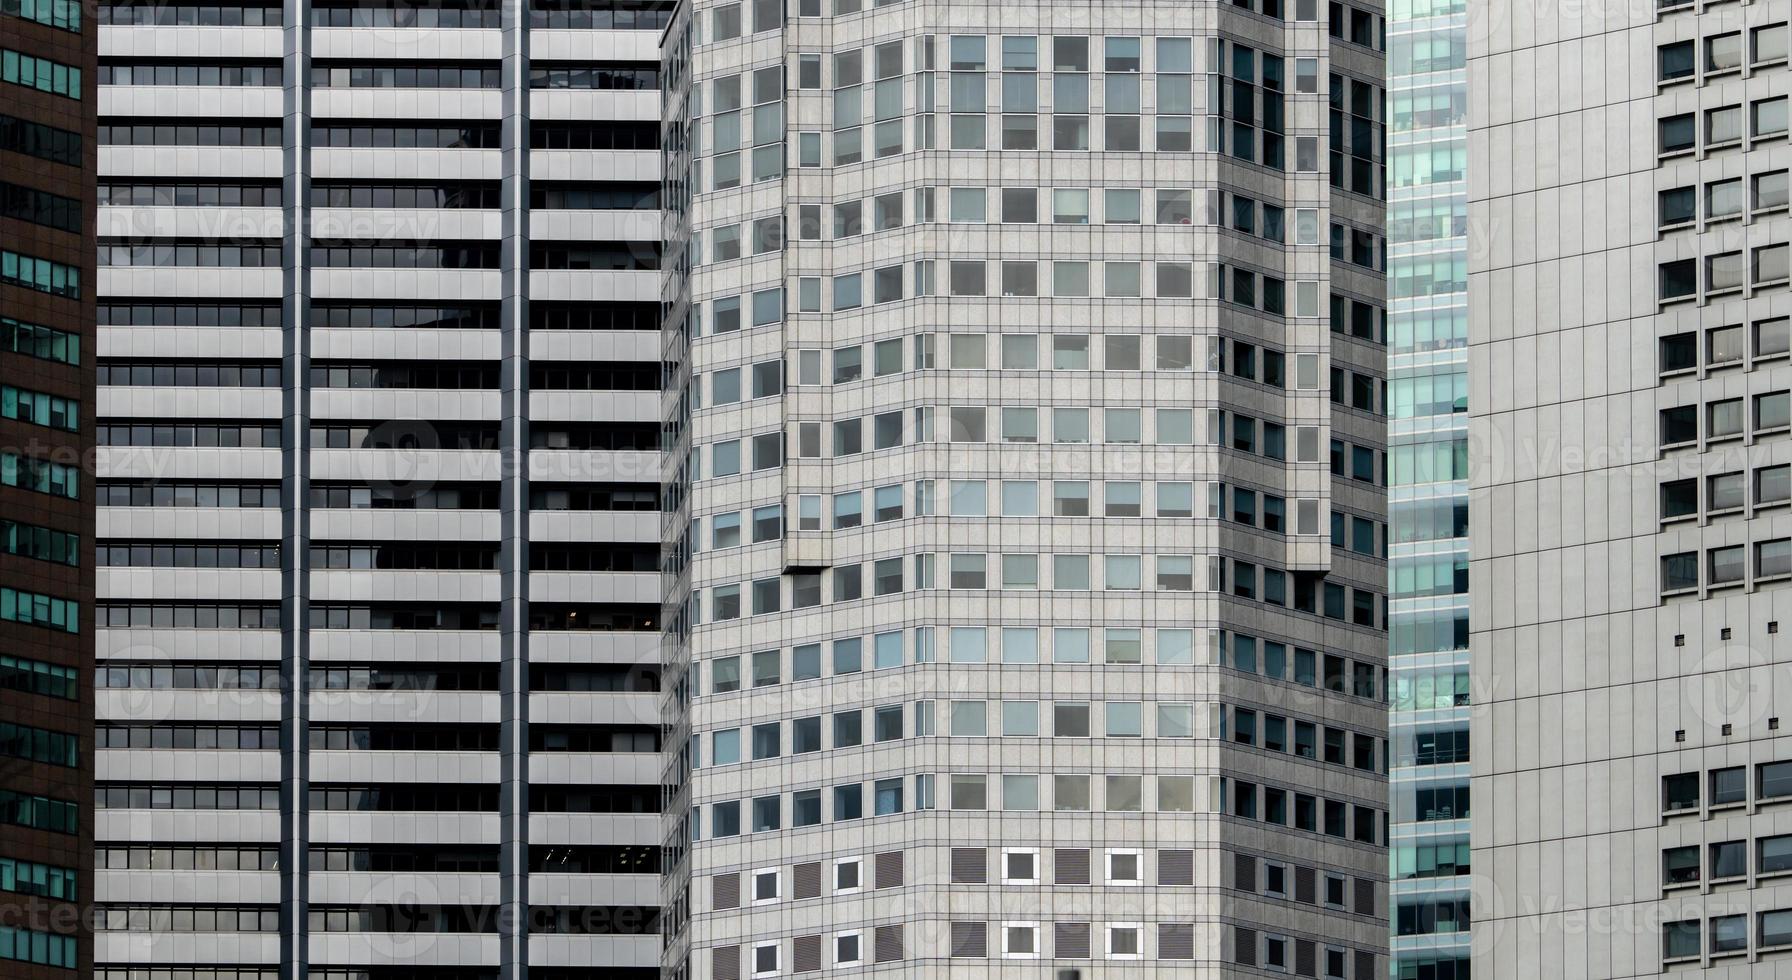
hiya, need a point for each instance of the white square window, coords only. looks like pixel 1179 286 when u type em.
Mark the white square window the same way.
pixel 1123 941
pixel 1020 940
pixel 1020 866
pixel 849 948
pixel 766 885
pixel 765 960
pixel 848 875
pixel 1125 866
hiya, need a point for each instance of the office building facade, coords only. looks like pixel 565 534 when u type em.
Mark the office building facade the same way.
pixel 1024 498
pixel 378 476
pixel 47 91
pixel 1628 339
pixel 1428 497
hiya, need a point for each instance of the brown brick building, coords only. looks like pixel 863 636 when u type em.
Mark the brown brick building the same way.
pixel 48 155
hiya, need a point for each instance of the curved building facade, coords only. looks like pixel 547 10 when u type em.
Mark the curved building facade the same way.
pixel 1025 489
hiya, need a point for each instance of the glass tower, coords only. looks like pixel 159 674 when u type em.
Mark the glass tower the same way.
pixel 1428 488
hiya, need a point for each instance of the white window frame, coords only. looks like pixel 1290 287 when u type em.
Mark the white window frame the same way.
pixel 777 955
pixel 834 882
pixel 1107 867
pixel 1107 940
pixel 858 934
pixel 1033 852
pixel 1008 954
pixel 777 882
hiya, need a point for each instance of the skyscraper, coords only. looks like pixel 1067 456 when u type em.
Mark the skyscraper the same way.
pixel 1628 338
pixel 1428 487
pixel 47 50
pixel 379 423
pixel 1025 494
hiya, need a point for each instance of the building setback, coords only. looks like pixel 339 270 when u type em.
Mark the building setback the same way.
pixel 47 154
pixel 1628 337
pixel 378 474
pixel 1025 495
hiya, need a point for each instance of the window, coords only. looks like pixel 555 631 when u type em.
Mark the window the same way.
pixel 848 875
pixel 1125 867
pixel 1020 940
pixel 1680 572
pixel 968 571
pixel 1680 865
pixel 1070 720
pixel 1679 279
pixel 1020 498
pixel 1724 271
pixel 1729 933
pixel 1773 558
pixel 1123 942
pixel 1678 206
pixel 1723 199
pixel 1773 484
pixel 848 949
pixel 765 959
pixel 1175 720
pixel 1726 491
pixel 968 719
pixel 1773 411
pixel 1770 190
pixel 1125 719
pixel 968 278
pixel 1020 718
pixel 1772 337
pixel 1070 206
pixel 1679 352
pixel 1728 565
pixel 1723 52
pixel 1729 859
pixel 1681 940
pixel 1676 61
pixel 1774 854
pixel 1768 44
pixel 968 645
pixel 1724 418
pixel 969 792
pixel 1020 646
pixel 1019 205
pixel 1677 134
pixel 1020 571
pixel 1772 263
pixel 1070 793
pixel 1776 927
pixel 966 204
pixel 1679 425
pixel 1767 117
pixel 1723 125
pixel 1773 781
pixel 1680 791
